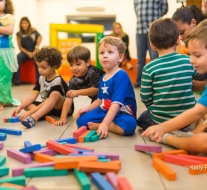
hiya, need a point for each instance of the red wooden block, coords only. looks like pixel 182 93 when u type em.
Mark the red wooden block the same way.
pixel 79 131
pixel 123 184
pixel 164 169
pixel 148 148
pixel 5 120
pixel 78 146
pixel 199 158
pixel 180 160
pixel 60 148
pixel 50 119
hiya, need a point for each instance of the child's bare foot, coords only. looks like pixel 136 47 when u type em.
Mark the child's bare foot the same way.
pixel 1 106
pixel 201 127
pixel 93 126
pixel 60 122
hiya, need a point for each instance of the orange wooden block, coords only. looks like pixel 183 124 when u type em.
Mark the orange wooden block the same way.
pixel 43 158
pixel 81 138
pixel 197 169
pixel 79 131
pixel 180 160
pixel 203 159
pixel 164 169
pixel 172 152
pixel 72 162
pixel 50 119
pixel 123 184
pixel 78 146
pixel 101 167
pixel 60 148
pixel 11 185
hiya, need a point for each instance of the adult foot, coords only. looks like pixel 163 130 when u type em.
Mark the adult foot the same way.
pixel 93 126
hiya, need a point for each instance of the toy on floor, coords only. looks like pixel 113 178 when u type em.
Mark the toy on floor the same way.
pixel 12 119
pixel 148 148
pixel 50 119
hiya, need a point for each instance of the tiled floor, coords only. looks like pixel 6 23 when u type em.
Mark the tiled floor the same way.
pixel 136 166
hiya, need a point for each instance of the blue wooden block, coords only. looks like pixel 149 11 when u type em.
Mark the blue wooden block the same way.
pixel 3 136
pixel 27 144
pixel 11 131
pixel 14 119
pixel 71 140
pixel 30 148
pixel 100 182
pixel 80 150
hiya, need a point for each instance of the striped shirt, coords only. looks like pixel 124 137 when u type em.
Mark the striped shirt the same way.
pixel 147 11
pixel 166 87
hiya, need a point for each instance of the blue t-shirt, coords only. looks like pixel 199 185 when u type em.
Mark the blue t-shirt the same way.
pixel 203 99
pixel 118 89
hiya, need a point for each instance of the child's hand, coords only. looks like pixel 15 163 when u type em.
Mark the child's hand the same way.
pixel 16 112
pixel 155 132
pixel 103 130
pixel 24 115
pixel 60 122
pixel 81 111
pixel 72 93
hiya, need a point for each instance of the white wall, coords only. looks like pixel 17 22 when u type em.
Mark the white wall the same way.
pixel 43 12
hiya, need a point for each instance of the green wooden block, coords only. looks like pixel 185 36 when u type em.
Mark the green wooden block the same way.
pixel 2 160
pixel 82 179
pixel 9 120
pixel 89 135
pixel 104 160
pixel 19 180
pixel 95 138
pixel 43 145
pixel 8 188
pixel 4 170
pixel 44 172
pixel 62 142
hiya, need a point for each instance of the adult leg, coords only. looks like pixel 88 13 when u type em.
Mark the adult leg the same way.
pixel 21 57
pixel 141 56
pixel 153 54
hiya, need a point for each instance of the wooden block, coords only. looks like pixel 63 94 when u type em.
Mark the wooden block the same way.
pixel 47 151
pixel 79 131
pixel 104 155
pixel 11 185
pixel 71 140
pixel 81 137
pixel 164 169
pixel 15 119
pixel 20 180
pixel 5 120
pixel 148 148
pixel 80 150
pixel 82 179
pixel 180 160
pixel 197 169
pixel 27 144
pixel 72 162
pixel 32 148
pixel 102 167
pixel 24 158
pixel 60 148
pixel 4 171
pixel 20 170
pixel 78 146
pixel 123 184
pixel 89 135
pixel 94 138
pixel 112 179
pixel 104 160
pixel 11 131
pixel 203 159
pixel 2 160
pixel 8 188
pixel 3 136
pixel 29 188
pixel 44 172
pixel 43 158
pixel 50 119
pixel 1 146
pixel 100 182
pixel 172 152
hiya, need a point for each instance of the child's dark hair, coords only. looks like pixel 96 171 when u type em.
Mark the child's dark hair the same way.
pixel 186 14
pixel 163 33
pixel 49 54
pixel 78 53
pixel 114 41
pixel 9 9
pixel 198 33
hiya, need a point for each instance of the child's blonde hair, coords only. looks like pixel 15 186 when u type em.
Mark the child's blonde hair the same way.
pixel 198 33
pixel 113 30
pixel 114 41
pixel 9 9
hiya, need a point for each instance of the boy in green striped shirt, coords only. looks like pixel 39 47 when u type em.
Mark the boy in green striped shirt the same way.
pixel 166 87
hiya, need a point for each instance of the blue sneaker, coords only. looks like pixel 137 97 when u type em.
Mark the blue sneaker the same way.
pixel 29 122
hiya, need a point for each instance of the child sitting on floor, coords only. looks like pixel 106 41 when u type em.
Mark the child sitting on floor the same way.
pixel 85 80
pixel 51 87
pixel 115 109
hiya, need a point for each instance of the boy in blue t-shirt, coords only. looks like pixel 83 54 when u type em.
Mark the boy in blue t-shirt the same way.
pixel 115 109
pixel 196 42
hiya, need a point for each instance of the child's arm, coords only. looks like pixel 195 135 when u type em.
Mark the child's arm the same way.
pixel 82 92
pixel 104 126
pixel 8 30
pixel 25 103
pixel 186 118
pixel 66 108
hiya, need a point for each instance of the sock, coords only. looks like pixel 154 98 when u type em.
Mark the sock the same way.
pixel 29 122
pixel 163 139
